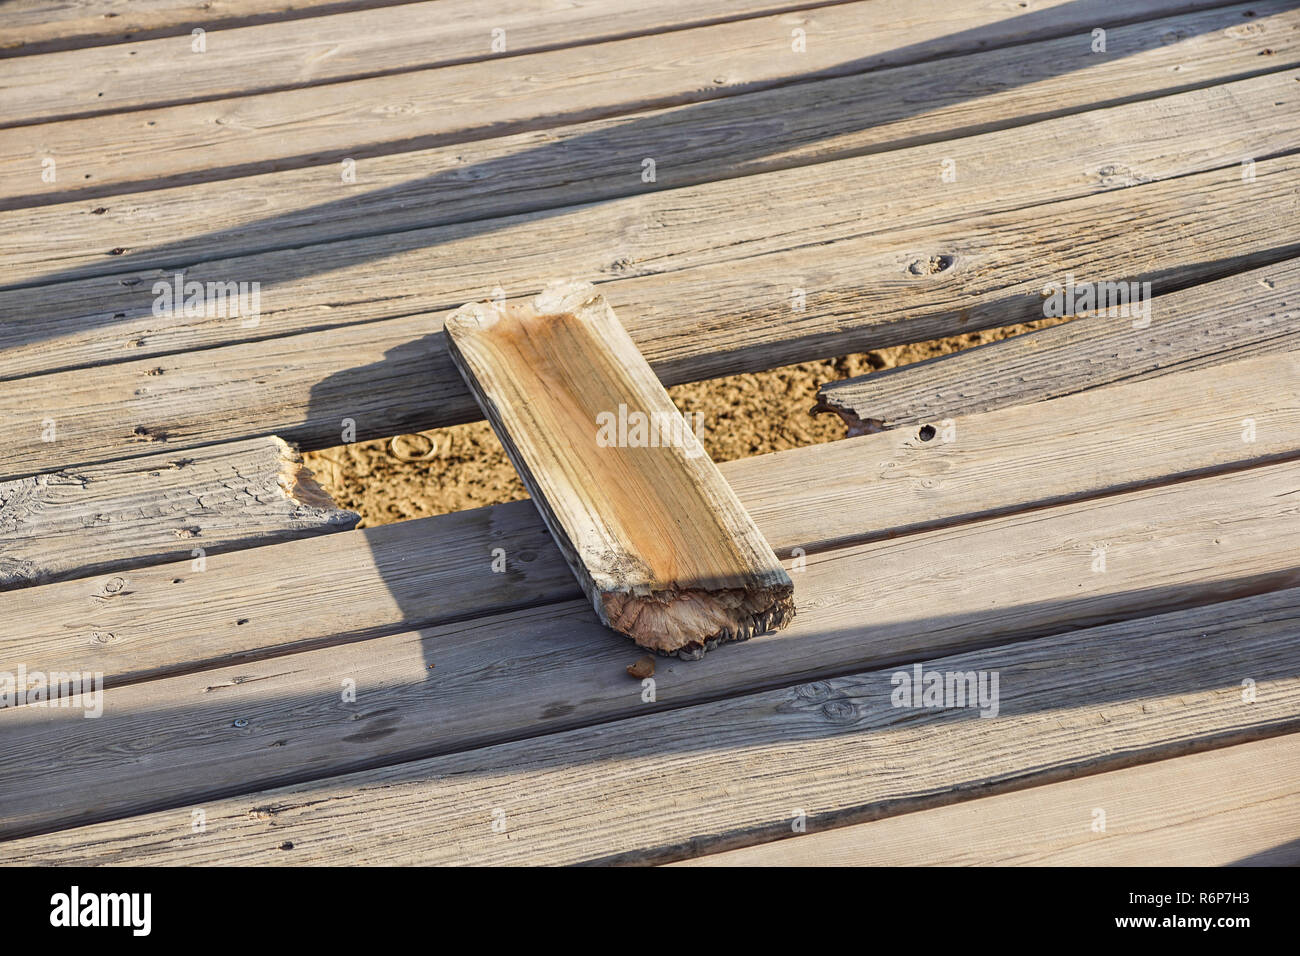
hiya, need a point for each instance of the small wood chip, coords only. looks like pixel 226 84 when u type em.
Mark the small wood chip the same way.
pixel 643 668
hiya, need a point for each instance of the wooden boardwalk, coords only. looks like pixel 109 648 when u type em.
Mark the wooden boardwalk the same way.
pixel 215 242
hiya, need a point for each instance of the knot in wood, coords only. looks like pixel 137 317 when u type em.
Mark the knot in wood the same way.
pixel 839 711
pixel 814 691
pixel 930 266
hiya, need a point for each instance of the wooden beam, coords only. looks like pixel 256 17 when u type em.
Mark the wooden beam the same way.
pixel 1238 805
pixel 727 316
pixel 768 131
pixel 357 119
pixel 657 539
pixel 157 509
pixel 880 487
pixel 823 754
pixel 315 714
pixel 1249 314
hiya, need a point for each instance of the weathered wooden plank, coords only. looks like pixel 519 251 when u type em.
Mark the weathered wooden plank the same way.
pixel 40 26
pixel 1231 806
pixel 1243 315
pixel 348 45
pixel 1048 160
pixel 437 570
pixel 658 541
pixel 196 737
pixel 157 509
pixel 388 39
pixel 394 376
pixel 356 119
pixel 823 753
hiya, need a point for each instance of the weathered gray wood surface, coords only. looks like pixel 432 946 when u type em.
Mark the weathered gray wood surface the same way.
pixel 1236 805
pixel 349 45
pixel 655 536
pixel 361 118
pixel 508 175
pixel 388 39
pixel 155 509
pixel 394 376
pixel 831 752
pixel 197 736
pixel 115 318
pixel 34 26
pixel 1252 313
pixel 435 570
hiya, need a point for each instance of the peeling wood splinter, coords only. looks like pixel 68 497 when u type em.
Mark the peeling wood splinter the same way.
pixel 655 535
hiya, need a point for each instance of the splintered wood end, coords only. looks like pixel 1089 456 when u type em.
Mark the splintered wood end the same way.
pixel 689 622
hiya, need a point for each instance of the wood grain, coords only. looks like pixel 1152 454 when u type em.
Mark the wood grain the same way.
pixel 357 119
pixel 657 539
pixel 188 226
pixel 438 570
pixel 39 26
pixel 718 318
pixel 315 714
pixel 42 25
pixel 1238 805
pixel 328 48
pixel 828 753
pixel 157 509
pixel 374 41
pixel 1248 314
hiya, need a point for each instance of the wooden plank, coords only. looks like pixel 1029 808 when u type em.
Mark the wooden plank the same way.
pixel 395 376
pixel 1248 314
pixel 40 26
pixel 1048 160
pixel 658 541
pixel 340 46
pixel 389 39
pixel 1231 806
pixel 357 119
pixel 196 737
pixel 436 570
pixel 824 753
pixel 158 509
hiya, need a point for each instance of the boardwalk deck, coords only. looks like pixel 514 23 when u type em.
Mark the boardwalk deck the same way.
pixel 1101 516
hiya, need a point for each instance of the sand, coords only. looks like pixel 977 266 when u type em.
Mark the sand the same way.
pixel 451 469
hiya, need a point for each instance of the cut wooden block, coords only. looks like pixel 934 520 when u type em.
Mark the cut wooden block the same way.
pixel 655 535
pixel 109 517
